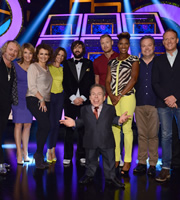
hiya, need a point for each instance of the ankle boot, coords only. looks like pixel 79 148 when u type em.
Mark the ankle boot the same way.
pixel 39 161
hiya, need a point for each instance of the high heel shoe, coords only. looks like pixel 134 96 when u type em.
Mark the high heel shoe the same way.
pixel 125 172
pixel 49 161
pixel 20 162
pixel 26 158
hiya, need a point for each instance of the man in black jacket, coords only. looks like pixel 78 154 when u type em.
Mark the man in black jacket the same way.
pixel 8 90
pixel 166 82
pixel 78 77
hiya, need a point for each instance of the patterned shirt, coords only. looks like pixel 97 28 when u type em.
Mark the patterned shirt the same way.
pixel 121 74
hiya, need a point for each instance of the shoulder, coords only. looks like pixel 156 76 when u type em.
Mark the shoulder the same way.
pixel 133 58
pixel 99 58
pixel 113 61
pixel 87 61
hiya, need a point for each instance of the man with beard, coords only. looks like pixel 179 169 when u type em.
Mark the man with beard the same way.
pixel 78 78
pixel 8 90
pixel 100 64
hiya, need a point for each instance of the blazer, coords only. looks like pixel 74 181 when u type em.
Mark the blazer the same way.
pixel 166 79
pixel 71 82
pixel 98 132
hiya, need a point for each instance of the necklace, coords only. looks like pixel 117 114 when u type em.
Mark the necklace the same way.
pixel 9 73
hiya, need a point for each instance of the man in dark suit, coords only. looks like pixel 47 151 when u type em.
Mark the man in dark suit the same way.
pixel 166 82
pixel 97 119
pixel 77 79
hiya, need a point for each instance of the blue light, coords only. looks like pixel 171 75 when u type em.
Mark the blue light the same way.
pixel 130 21
pixel 127 6
pixel 8 146
pixel 4 27
pixel 32 28
pixel 70 21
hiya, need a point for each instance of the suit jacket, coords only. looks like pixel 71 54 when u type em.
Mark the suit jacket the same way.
pixel 166 79
pixel 71 82
pixel 98 132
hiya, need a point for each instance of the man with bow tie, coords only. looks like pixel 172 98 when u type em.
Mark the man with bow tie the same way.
pixel 77 80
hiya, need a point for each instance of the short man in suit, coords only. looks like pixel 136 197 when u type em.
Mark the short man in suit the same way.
pixel 97 119
pixel 77 79
pixel 166 82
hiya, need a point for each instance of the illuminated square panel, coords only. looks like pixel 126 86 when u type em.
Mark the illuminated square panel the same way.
pixel 140 24
pixel 93 47
pixel 56 42
pixel 62 24
pixel 101 23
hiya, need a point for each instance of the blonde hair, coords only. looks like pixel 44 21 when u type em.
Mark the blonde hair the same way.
pixel 4 47
pixel 30 48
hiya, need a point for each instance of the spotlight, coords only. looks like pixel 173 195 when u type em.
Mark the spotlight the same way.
pixel 32 28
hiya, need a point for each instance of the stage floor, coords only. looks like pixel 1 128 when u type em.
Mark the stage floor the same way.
pixel 59 182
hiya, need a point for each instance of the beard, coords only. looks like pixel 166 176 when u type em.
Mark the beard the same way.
pixel 78 55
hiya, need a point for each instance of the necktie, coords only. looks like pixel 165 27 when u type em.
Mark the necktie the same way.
pixel 77 61
pixel 96 112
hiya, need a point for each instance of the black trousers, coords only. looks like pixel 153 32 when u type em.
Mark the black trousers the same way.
pixel 175 163
pixel 108 156
pixel 4 114
pixel 73 112
pixel 42 120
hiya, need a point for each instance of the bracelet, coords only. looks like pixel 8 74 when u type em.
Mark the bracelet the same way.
pixel 121 94
pixel 41 100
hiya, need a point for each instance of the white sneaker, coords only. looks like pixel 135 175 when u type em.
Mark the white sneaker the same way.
pixel 83 160
pixel 66 162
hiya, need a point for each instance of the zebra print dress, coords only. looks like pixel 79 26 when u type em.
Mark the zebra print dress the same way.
pixel 121 74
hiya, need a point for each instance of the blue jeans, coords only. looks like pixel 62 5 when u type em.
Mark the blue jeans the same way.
pixel 166 116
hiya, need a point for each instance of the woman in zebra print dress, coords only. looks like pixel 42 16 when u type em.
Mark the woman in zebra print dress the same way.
pixel 121 77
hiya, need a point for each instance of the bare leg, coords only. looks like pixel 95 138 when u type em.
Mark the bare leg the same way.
pixel 25 139
pixel 53 154
pixel 49 155
pixel 17 137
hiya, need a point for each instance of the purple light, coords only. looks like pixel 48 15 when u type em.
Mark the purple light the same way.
pixel 28 1
pixel 124 24
pixel 173 11
pixel 16 23
pixel 43 33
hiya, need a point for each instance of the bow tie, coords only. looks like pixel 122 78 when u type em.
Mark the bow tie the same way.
pixel 77 61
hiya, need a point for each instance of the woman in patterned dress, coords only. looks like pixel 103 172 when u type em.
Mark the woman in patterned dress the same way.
pixel 121 77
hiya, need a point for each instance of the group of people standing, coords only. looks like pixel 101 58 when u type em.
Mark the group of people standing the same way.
pixel 37 85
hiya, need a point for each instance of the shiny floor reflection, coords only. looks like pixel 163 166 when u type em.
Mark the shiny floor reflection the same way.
pixel 59 182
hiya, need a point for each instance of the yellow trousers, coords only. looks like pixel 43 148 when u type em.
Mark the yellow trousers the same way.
pixel 126 103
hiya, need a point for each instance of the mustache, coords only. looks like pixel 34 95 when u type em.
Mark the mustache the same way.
pixel 77 52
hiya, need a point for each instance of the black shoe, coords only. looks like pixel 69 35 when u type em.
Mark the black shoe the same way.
pixel 164 175
pixel 151 171
pixel 115 182
pixel 39 161
pixel 86 179
pixel 140 169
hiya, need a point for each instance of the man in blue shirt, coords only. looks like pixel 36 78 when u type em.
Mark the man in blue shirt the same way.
pixel 147 120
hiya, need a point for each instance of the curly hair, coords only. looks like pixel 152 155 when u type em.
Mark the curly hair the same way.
pixel 78 42
pixel 46 47
pixel 123 35
pixel 4 47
